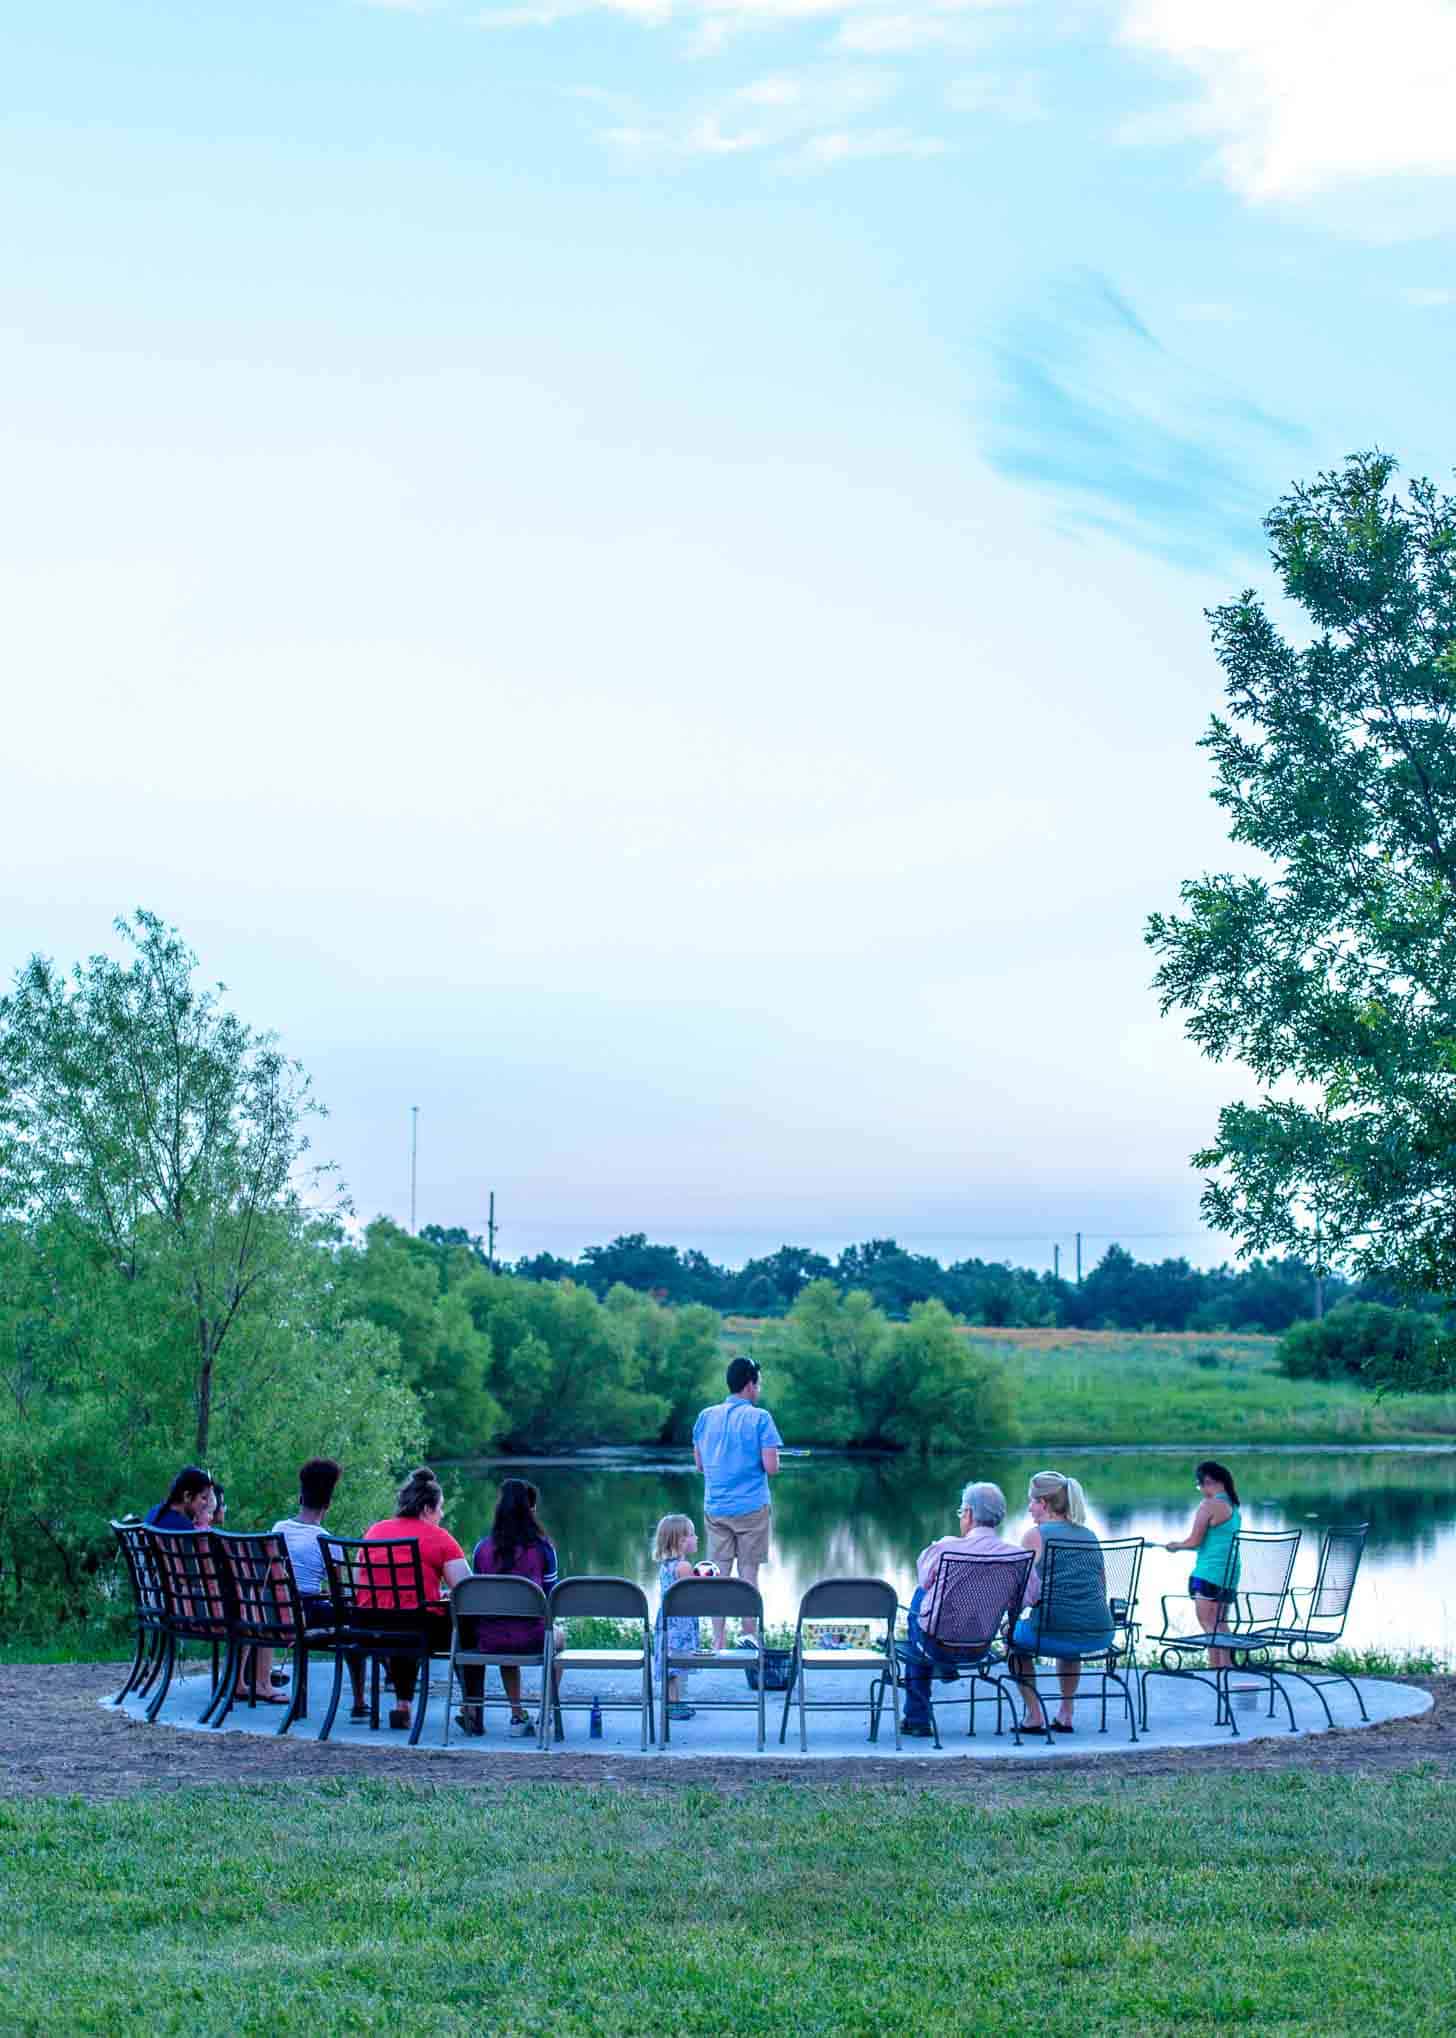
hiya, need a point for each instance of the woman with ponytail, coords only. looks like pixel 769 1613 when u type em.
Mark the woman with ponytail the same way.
pixel 517 1547
pixel 1078 1621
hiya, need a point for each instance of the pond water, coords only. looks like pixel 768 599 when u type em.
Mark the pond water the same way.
pixel 869 1517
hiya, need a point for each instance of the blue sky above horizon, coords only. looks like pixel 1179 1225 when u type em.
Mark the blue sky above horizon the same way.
pixel 633 574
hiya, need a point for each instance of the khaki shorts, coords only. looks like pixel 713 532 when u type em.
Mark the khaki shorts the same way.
pixel 743 1537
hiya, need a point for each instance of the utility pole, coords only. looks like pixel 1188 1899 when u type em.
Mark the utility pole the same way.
pixel 490 1234
pixel 1079 1259
pixel 1056 1263
pixel 414 1160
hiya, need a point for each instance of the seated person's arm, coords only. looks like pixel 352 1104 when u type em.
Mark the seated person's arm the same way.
pixel 455 1569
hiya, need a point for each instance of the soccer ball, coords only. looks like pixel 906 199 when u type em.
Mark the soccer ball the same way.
pixel 707 1569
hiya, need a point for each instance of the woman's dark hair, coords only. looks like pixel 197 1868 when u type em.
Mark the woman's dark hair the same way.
pixel 515 1527
pixel 189 1482
pixel 421 1490
pixel 1211 1469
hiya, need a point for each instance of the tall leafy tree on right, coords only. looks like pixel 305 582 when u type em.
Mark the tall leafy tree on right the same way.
pixel 1329 967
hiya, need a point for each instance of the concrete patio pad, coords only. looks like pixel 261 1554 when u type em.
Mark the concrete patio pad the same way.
pixel 1180 1716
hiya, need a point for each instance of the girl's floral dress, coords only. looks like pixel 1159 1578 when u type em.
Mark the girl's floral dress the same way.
pixel 682 1633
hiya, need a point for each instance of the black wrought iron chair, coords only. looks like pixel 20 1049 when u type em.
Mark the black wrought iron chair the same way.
pixel 968 1613
pixel 837 1599
pixel 498 1598
pixel 1321 1623
pixel 267 1613
pixel 380 1609
pixel 196 1593
pixel 149 1604
pixel 1259 1568
pixel 606 1599
pixel 708 1599
pixel 1079 1579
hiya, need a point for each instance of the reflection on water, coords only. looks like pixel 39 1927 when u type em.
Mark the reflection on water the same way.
pixel 870 1517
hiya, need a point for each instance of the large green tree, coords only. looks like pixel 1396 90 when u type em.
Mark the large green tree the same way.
pixel 1328 965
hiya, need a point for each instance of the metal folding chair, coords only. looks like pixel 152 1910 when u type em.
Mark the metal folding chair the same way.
pixel 832 1599
pixel 969 1612
pixel 606 1599
pixel 707 1599
pixel 1321 1623
pixel 1260 1566
pixel 510 1598
pixel 267 1613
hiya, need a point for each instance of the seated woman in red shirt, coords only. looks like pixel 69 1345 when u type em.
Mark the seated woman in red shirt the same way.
pixel 419 1511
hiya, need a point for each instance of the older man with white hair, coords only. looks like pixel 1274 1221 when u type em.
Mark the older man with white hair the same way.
pixel 982 1511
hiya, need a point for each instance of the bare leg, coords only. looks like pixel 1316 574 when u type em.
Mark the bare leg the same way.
pixel 1209 1613
pixel 511 1679
pixel 1021 1670
pixel 720 1626
pixel 1069 1676
pixel 748 1572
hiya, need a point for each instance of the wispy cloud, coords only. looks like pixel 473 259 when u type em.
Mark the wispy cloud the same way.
pixel 849 145
pixel 1427 300
pixel 1297 97
pixel 1121 436
pixel 1015 98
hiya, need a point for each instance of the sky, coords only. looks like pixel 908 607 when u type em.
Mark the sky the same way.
pixel 631 573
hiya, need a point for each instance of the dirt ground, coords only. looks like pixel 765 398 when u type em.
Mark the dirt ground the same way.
pixel 55 1741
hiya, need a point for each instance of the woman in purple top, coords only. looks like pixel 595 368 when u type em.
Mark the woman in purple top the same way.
pixel 517 1547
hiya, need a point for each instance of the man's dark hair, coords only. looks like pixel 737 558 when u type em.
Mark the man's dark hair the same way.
pixel 741 1373
pixel 317 1480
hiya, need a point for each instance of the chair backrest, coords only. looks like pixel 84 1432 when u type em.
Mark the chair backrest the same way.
pixel 363 1575
pixel 195 1582
pixel 723 1597
pixel 497 1597
pixel 265 1591
pixel 141 1568
pixel 1334 1583
pixel 1122 1563
pixel 972 1599
pixel 1073 1600
pixel 1264 1566
pixel 849 1599
pixel 609 1598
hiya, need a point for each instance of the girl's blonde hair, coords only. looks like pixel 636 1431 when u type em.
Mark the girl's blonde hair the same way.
pixel 672 1532
pixel 1062 1495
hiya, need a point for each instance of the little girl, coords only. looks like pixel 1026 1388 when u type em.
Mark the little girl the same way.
pixel 673 1547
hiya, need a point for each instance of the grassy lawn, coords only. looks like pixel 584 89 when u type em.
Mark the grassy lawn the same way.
pixel 1290 1903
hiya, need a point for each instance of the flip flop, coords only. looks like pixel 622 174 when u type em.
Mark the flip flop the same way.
pixel 263 1697
pixel 1061 1727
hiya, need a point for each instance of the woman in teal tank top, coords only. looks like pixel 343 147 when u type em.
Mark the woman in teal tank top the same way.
pixel 1214 1585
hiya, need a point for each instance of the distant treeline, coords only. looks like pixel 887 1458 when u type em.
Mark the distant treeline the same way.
pixel 1119 1293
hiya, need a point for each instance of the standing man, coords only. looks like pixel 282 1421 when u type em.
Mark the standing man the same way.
pixel 736 1448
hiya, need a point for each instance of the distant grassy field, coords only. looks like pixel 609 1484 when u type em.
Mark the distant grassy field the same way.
pixel 1285 1903
pixel 1114 1387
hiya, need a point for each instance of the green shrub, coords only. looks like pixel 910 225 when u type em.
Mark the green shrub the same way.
pixel 1394 1351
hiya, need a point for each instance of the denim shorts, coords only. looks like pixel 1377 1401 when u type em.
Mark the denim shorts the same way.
pixel 1201 1589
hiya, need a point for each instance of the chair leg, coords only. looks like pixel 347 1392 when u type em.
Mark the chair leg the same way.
pixel 895 1706
pixel 333 1705
pixel 223 1687
pixel 136 1663
pixel 298 1702
pixel 802 1680
pixel 169 1665
pixel 422 1702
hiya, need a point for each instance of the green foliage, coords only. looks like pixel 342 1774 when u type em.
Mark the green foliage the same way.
pixel 165 1292
pixel 1395 1351
pixel 398 1284
pixel 851 1377
pixel 1331 972
pixel 673 1353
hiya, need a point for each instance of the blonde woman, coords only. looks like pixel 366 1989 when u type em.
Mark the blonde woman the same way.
pixel 1079 1622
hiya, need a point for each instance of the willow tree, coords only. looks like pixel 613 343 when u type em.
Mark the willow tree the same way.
pixel 144 1125
pixel 1329 967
